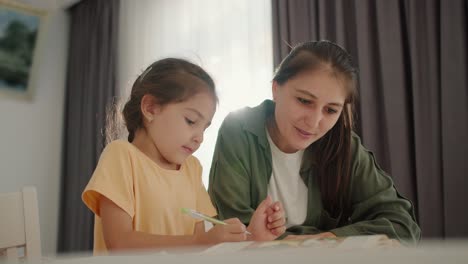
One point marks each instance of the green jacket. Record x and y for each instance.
(241, 170)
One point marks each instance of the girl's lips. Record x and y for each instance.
(188, 150)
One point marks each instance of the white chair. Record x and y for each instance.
(19, 226)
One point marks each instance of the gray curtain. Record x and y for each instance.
(90, 88)
(413, 94)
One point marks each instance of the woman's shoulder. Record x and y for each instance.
(362, 157)
(249, 117)
(355, 141)
(239, 116)
(357, 147)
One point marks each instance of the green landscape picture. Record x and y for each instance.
(18, 33)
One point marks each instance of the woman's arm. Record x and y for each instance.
(377, 207)
(230, 174)
(231, 181)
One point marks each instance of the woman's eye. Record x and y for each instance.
(303, 101)
(190, 122)
(331, 111)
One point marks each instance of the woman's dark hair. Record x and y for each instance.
(333, 150)
(169, 80)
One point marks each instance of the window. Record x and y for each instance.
(231, 40)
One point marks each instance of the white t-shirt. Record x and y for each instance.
(286, 184)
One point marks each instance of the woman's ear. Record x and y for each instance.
(274, 89)
(149, 107)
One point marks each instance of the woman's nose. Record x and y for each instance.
(313, 118)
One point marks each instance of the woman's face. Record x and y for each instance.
(307, 107)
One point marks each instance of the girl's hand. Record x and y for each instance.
(267, 222)
(234, 231)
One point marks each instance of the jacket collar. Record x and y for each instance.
(255, 121)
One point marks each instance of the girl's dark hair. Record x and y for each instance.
(169, 80)
(334, 148)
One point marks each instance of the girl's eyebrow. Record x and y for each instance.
(315, 97)
(195, 111)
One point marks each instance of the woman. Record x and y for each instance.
(301, 150)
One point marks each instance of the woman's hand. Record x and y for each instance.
(276, 219)
(234, 231)
(267, 222)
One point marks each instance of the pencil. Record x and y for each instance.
(199, 215)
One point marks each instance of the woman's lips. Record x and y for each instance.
(304, 134)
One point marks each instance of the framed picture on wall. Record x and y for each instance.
(20, 27)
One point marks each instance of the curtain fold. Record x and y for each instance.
(454, 114)
(91, 86)
(413, 92)
(427, 111)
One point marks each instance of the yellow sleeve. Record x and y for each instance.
(112, 178)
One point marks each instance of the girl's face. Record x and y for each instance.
(307, 107)
(176, 129)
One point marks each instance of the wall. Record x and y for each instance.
(31, 131)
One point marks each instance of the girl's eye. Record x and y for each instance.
(190, 122)
(331, 111)
(303, 101)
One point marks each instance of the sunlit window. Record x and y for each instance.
(230, 39)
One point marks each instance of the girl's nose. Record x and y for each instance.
(198, 138)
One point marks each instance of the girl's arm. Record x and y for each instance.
(119, 234)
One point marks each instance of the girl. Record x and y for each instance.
(140, 185)
(300, 149)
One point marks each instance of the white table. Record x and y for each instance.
(426, 253)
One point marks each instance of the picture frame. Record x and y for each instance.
(20, 41)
